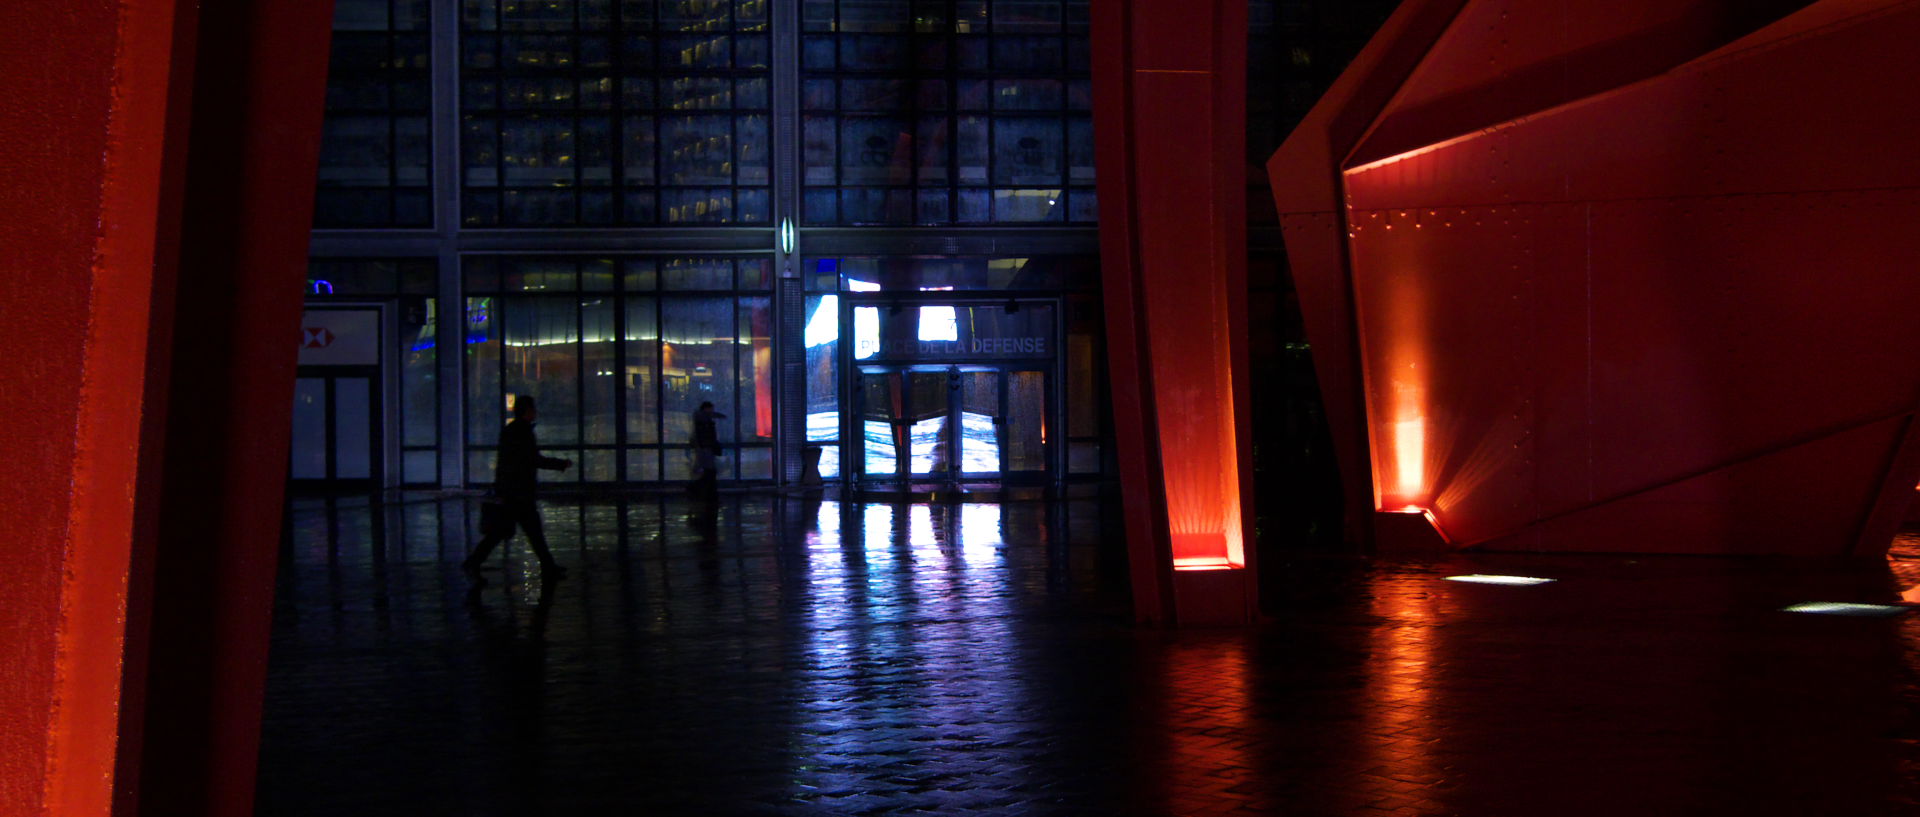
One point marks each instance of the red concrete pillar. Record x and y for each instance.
(1170, 114)
(150, 296)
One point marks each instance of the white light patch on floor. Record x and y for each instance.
(1841, 608)
(1518, 581)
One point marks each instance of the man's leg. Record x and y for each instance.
(480, 553)
(528, 516)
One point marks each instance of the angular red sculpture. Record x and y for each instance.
(1170, 87)
(1620, 279)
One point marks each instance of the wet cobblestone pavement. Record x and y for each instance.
(812, 658)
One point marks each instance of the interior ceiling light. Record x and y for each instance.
(1518, 581)
(1842, 608)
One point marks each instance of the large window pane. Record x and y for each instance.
(642, 380)
(542, 358)
(419, 395)
(600, 367)
(822, 340)
(484, 406)
(756, 420)
(697, 351)
(375, 152)
(1027, 151)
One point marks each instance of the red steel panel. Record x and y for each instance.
(1596, 305)
(1791, 502)
(1502, 59)
(1129, 384)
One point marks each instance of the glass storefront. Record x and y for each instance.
(402, 289)
(605, 210)
(953, 369)
(620, 352)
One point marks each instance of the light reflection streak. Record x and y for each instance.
(876, 534)
(1400, 681)
(891, 618)
(981, 537)
(866, 332)
(1207, 701)
(879, 446)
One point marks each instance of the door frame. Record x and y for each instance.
(376, 433)
(385, 392)
(853, 444)
(854, 457)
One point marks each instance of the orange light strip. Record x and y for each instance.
(1204, 563)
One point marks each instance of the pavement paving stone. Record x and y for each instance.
(784, 657)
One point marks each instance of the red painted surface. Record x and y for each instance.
(1170, 81)
(242, 238)
(1306, 188)
(1666, 315)
(81, 127)
(137, 586)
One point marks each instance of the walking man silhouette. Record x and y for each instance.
(513, 487)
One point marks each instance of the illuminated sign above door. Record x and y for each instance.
(950, 332)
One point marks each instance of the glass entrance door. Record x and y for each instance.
(336, 429)
(951, 423)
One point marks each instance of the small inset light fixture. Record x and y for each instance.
(1842, 608)
(1516, 581)
(788, 236)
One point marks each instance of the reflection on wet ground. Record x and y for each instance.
(789, 657)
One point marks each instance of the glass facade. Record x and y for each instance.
(408, 286)
(620, 351)
(994, 347)
(583, 112)
(376, 154)
(610, 174)
(945, 112)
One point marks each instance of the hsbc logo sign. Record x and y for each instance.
(340, 337)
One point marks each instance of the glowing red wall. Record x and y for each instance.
(1668, 312)
(1169, 81)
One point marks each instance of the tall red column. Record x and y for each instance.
(1170, 113)
(83, 127)
(245, 212)
(151, 291)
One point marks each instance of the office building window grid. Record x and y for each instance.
(567, 117)
(596, 112)
(376, 150)
(946, 113)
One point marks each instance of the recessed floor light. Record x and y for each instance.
(1480, 578)
(1842, 608)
